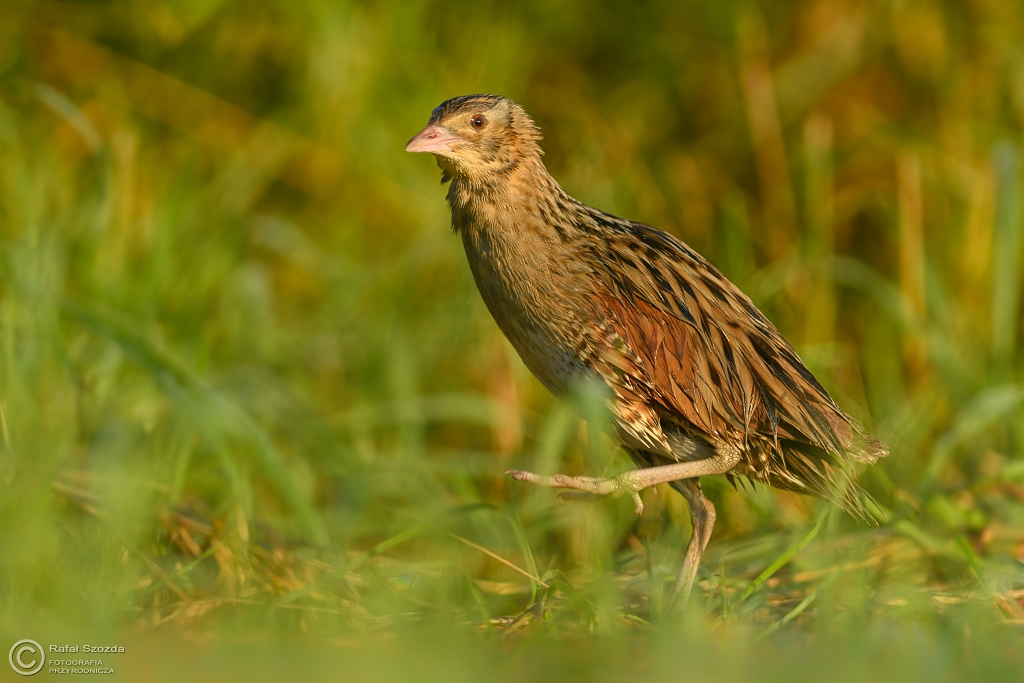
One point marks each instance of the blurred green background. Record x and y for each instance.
(250, 398)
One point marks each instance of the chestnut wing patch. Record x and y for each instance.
(708, 356)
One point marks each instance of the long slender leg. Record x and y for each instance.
(633, 481)
(702, 516)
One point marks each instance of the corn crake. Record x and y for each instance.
(701, 382)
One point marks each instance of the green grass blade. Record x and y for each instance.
(524, 546)
(1006, 270)
(786, 556)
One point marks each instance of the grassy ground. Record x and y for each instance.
(253, 415)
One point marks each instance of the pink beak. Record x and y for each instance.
(434, 138)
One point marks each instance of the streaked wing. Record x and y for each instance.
(700, 350)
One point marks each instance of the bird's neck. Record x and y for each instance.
(512, 200)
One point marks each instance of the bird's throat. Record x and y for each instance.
(502, 200)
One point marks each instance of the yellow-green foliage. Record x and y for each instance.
(248, 390)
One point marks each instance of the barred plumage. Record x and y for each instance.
(701, 382)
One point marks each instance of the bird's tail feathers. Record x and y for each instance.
(811, 470)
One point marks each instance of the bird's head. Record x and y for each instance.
(478, 137)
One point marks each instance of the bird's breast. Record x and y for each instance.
(518, 282)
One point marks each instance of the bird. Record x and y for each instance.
(698, 381)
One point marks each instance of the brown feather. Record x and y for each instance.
(711, 358)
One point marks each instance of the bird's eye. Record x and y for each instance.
(478, 121)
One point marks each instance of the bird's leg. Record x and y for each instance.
(634, 481)
(702, 516)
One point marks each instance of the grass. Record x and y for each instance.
(253, 414)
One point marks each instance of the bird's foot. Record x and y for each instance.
(593, 485)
